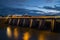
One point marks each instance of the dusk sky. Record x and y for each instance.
(29, 3)
(32, 4)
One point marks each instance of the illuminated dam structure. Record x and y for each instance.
(39, 22)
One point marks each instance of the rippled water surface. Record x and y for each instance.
(18, 33)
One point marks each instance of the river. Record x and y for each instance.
(20, 33)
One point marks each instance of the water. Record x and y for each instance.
(19, 33)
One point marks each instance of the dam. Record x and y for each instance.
(38, 22)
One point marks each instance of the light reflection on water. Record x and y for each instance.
(41, 37)
(26, 36)
(17, 33)
(9, 33)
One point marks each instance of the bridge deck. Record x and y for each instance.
(44, 17)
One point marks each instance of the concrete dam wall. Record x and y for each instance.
(51, 23)
(37, 23)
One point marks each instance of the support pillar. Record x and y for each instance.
(10, 21)
(52, 24)
(18, 21)
(31, 20)
(40, 23)
(23, 22)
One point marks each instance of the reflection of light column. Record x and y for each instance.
(26, 36)
(10, 21)
(18, 21)
(41, 37)
(16, 33)
(52, 24)
(40, 23)
(31, 20)
(9, 33)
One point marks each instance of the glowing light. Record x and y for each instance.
(16, 33)
(9, 33)
(26, 36)
(41, 37)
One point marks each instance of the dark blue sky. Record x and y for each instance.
(32, 4)
(29, 3)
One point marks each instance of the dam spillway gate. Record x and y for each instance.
(46, 22)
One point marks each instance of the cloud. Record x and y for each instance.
(39, 12)
(44, 10)
(52, 8)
